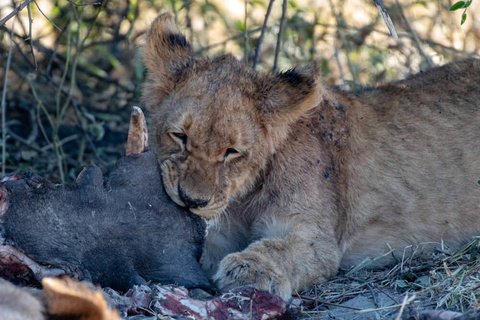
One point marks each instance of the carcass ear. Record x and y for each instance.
(289, 95)
(166, 53)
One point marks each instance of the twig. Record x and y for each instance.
(85, 4)
(316, 300)
(350, 292)
(132, 23)
(44, 150)
(366, 262)
(415, 36)
(61, 111)
(4, 104)
(117, 38)
(374, 297)
(54, 53)
(343, 27)
(340, 68)
(34, 133)
(19, 21)
(69, 98)
(174, 10)
(260, 39)
(346, 44)
(83, 128)
(245, 34)
(14, 12)
(78, 113)
(54, 125)
(40, 105)
(38, 7)
(23, 141)
(221, 43)
(74, 136)
(277, 48)
(338, 305)
(386, 17)
(386, 293)
(62, 80)
(30, 37)
(120, 37)
(404, 304)
(188, 19)
(369, 310)
(117, 24)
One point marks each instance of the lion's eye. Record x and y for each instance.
(231, 151)
(180, 136)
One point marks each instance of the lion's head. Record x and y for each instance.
(215, 122)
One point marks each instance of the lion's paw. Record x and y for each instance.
(251, 268)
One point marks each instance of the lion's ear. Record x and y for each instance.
(166, 53)
(290, 94)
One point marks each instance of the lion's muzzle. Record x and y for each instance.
(192, 202)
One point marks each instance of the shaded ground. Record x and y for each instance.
(413, 289)
(442, 279)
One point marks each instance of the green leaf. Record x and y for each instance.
(28, 155)
(259, 3)
(96, 131)
(464, 17)
(325, 68)
(108, 117)
(239, 25)
(402, 284)
(208, 7)
(423, 281)
(99, 72)
(422, 3)
(56, 11)
(131, 14)
(293, 4)
(458, 5)
(114, 61)
(468, 3)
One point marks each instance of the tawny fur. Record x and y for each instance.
(297, 178)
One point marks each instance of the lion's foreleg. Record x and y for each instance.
(283, 265)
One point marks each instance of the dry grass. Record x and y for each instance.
(438, 279)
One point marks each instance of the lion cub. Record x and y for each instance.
(298, 178)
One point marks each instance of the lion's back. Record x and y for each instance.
(417, 160)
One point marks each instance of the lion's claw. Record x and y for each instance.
(251, 268)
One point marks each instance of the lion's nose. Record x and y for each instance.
(191, 202)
